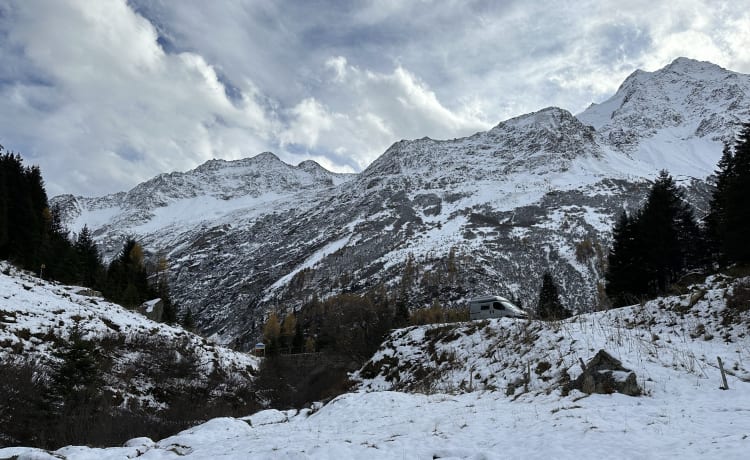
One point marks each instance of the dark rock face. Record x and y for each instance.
(604, 374)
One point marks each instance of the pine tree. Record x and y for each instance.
(90, 266)
(23, 203)
(716, 215)
(76, 379)
(127, 279)
(622, 274)
(651, 250)
(188, 322)
(667, 228)
(728, 221)
(549, 305)
(169, 311)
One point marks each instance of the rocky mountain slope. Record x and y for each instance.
(537, 192)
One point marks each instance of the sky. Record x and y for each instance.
(105, 94)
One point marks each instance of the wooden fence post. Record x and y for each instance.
(724, 386)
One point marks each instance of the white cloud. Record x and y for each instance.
(106, 94)
(369, 110)
(120, 109)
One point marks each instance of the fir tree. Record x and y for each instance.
(188, 322)
(651, 250)
(622, 274)
(127, 279)
(76, 379)
(728, 221)
(549, 305)
(90, 266)
(169, 311)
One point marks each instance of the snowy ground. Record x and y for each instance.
(689, 421)
(670, 343)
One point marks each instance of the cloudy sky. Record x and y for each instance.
(104, 94)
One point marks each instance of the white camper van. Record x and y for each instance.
(493, 306)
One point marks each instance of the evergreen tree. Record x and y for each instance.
(23, 204)
(728, 221)
(549, 305)
(653, 248)
(90, 266)
(169, 311)
(188, 322)
(127, 279)
(31, 234)
(76, 379)
(623, 276)
(715, 217)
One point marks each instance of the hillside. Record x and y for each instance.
(537, 192)
(473, 401)
(681, 334)
(145, 367)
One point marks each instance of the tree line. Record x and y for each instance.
(33, 237)
(656, 246)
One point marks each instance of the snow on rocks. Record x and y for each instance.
(36, 314)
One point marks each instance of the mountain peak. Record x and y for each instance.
(548, 117)
(266, 157)
(688, 65)
(311, 166)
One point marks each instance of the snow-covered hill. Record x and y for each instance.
(36, 315)
(537, 192)
(681, 334)
(492, 389)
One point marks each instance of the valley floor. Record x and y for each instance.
(671, 344)
(686, 418)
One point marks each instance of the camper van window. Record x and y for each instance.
(498, 306)
(485, 307)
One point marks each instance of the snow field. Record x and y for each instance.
(468, 411)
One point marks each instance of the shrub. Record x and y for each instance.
(739, 299)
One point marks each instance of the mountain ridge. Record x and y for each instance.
(528, 195)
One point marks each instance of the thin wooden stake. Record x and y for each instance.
(725, 386)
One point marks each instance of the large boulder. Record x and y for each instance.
(605, 375)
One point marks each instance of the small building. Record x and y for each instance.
(260, 349)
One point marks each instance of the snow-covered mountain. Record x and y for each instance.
(218, 191)
(494, 389)
(672, 118)
(537, 192)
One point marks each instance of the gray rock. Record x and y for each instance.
(604, 374)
